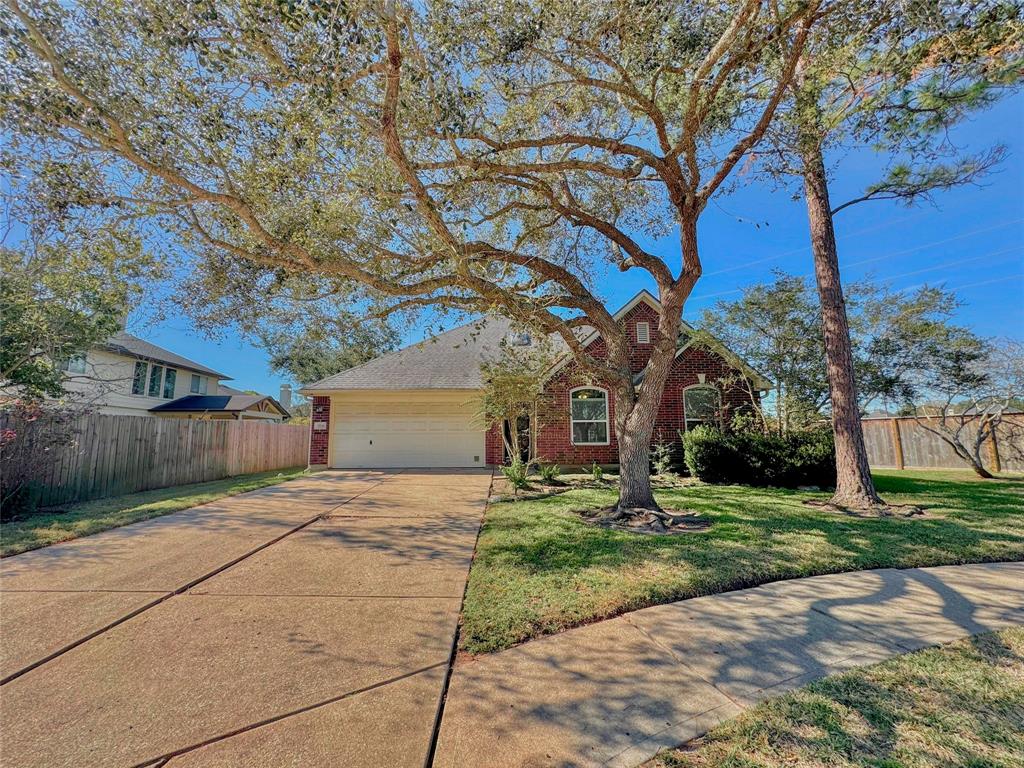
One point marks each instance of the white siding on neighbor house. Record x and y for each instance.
(410, 428)
(107, 384)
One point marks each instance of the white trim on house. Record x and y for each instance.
(606, 420)
(762, 384)
(643, 332)
(645, 297)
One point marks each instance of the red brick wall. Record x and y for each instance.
(553, 437)
(494, 451)
(319, 438)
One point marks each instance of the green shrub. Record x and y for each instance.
(597, 472)
(755, 458)
(517, 473)
(708, 455)
(549, 472)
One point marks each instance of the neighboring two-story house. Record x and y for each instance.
(127, 375)
(417, 407)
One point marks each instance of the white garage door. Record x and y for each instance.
(406, 430)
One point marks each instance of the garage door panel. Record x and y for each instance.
(439, 432)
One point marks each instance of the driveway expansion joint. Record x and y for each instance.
(249, 678)
(167, 757)
(178, 591)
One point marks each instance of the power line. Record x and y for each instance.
(805, 248)
(957, 261)
(899, 253)
(1017, 276)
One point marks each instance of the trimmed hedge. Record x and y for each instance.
(754, 458)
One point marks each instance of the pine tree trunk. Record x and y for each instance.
(854, 486)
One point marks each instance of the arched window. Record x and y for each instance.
(701, 405)
(588, 414)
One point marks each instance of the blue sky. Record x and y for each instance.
(971, 241)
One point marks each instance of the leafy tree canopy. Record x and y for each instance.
(307, 359)
(57, 301)
(776, 328)
(468, 154)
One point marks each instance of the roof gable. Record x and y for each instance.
(644, 297)
(126, 344)
(452, 360)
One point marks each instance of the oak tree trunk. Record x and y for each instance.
(854, 486)
(636, 412)
(634, 428)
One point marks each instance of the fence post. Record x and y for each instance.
(897, 442)
(993, 454)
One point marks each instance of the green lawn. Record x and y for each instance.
(956, 705)
(539, 569)
(90, 517)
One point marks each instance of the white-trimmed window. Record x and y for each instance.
(74, 364)
(170, 377)
(197, 386)
(588, 416)
(643, 333)
(702, 404)
(139, 379)
(152, 380)
(156, 376)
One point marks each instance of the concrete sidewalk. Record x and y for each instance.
(308, 624)
(616, 692)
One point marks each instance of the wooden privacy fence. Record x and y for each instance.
(111, 455)
(902, 443)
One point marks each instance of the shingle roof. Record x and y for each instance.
(232, 403)
(127, 344)
(450, 360)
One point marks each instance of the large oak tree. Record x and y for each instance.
(473, 156)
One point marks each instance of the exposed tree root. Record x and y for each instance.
(869, 510)
(646, 521)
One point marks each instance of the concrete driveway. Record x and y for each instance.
(308, 624)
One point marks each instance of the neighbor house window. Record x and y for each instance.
(643, 333)
(139, 379)
(701, 405)
(588, 411)
(156, 374)
(74, 364)
(193, 386)
(169, 379)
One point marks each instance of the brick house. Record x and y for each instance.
(417, 406)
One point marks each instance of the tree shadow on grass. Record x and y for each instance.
(557, 566)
